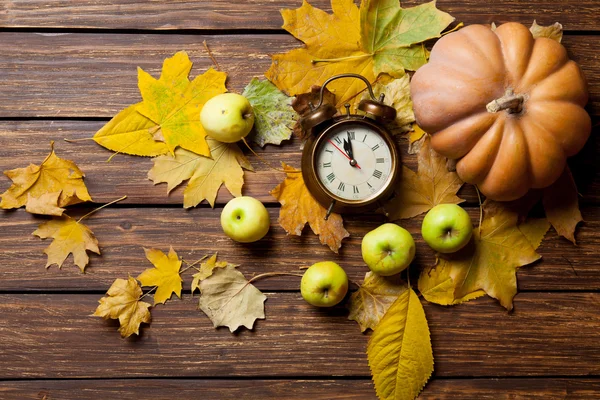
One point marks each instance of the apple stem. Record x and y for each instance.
(268, 274)
(261, 159)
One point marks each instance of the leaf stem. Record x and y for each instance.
(192, 265)
(268, 274)
(148, 292)
(261, 159)
(480, 209)
(77, 140)
(100, 208)
(210, 54)
(316, 60)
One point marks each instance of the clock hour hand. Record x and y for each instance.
(355, 164)
(348, 148)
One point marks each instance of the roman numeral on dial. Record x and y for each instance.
(355, 188)
(342, 186)
(338, 140)
(377, 174)
(331, 177)
(327, 165)
(380, 161)
(375, 147)
(352, 135)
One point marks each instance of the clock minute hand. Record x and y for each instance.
(344, 153)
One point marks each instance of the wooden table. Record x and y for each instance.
(66, 67)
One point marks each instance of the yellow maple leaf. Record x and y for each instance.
(298, 207)
(562, 205)
(380, 37)
(437, 286)
(397, 95)
(70, 237)
(53, 175)
(165, 275)
(399, 351)
(491, 260)
(206, 269)
(130, 132)
(123, 303)
(174, 103)
(206, 175)
(46, 204)
(418, 192)
(373, 298)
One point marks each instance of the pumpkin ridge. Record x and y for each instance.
(534, 62)
(475, 42)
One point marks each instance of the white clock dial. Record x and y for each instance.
(367, 175)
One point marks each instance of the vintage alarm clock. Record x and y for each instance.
(350, 162)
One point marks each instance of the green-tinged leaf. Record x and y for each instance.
(389, 32)
(123, 303)
(206, 175)
(274, 116)
(165, 274)
(399, 351)
(174, 103)
(373, 298)
(397, 95)
(228, 299)
(132, 133)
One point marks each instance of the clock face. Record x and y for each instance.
(353, 162)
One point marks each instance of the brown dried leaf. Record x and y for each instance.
(371, 301)
(206, 270)
(433, 184)
(46, 204)
(561, 205)
(554, 31)
(300, 105)
(299, 207)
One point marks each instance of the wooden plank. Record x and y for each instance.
(263, 14)
(54, 336)
(123, 232)
(94, 75)
(218, 389)
(24, 142)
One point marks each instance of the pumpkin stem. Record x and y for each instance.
(511, 102)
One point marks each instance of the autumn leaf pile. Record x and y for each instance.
(379, 40)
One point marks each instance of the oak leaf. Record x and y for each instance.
(228, 299)
(554, 31)
(562, 206)
(42, 182)
(380, 37)
(399, 351)
(433, 184)
(164, 275)
(206, 269)
(301, 104)
(298, 207)
(274, 116)
(70, 237)
(371, 301)
(130, 132)
(123, 303)
(206, 175)
(498, 249)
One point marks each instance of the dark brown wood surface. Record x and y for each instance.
(67, 66)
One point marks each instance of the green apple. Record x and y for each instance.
(227, 117)
(324, 284)
(447, 228)
(388, 249)
(245, 219)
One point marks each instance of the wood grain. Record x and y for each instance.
(276, 389)
(123, 232)
(94, 75)
(263, 14)
(24, 142)
(54, 336)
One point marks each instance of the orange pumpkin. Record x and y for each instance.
(507, 106)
